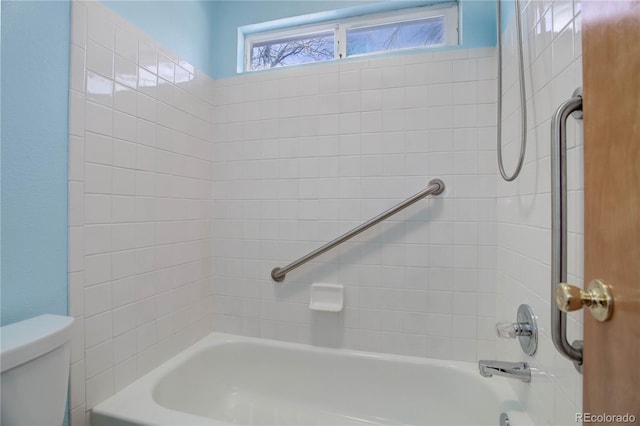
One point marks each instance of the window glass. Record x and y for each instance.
(395, 36)
(292, 51)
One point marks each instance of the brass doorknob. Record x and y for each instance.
(597, 298)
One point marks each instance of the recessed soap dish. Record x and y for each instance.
(327, 297)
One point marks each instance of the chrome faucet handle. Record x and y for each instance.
(511, 330)
(525, 329)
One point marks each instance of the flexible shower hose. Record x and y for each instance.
(523, 106)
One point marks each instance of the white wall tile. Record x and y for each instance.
(98, 119)
(124, 346)
(76, 151)
(76, 204)
(148, 57)
(79, 25)
(97, 179)
(125, 99)
(78, 416)
(99, 59)
(76, 385)
(77, 341)
(126, 72)
(97, 299)
(97, 268)
(76, 113)
(98, 329)
(98, 358)
(126, 44)
(98, 149)
(347, 168)
(77, 68)
(99, 388)
(99, 89)
(100, 29)
(76, 294)
(124, 373)
(112, 204)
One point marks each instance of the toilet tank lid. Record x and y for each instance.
(23, 341)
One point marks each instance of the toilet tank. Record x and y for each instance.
(34, 364)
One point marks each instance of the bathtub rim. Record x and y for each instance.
(135, 404)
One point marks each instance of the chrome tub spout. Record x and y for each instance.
(514, 370)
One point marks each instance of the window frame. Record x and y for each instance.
(449, 10)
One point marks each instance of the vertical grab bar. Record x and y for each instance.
(572, 106)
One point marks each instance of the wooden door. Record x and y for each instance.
(611, 79)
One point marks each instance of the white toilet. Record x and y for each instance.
(34, 362)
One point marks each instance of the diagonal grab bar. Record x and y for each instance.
(436, 187)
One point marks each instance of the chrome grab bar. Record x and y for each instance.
(573, 107)
(436, 186)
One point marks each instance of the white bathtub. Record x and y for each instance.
(225, 379)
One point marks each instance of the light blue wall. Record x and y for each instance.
(35, 92)
(182, 26)
(478, 21)
(477, 16)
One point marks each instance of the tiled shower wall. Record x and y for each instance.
(139, 205)
(298, 157)
(303, 155)
(552, 56)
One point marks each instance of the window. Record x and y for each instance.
(420, 27)
(395, 36)
(282, 51)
